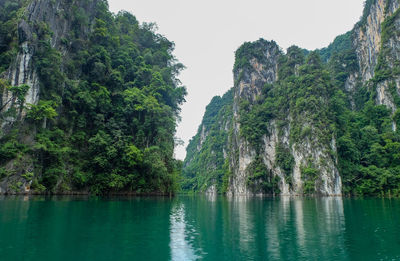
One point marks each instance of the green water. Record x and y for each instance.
(204, 228)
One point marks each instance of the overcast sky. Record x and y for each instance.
(207, 33)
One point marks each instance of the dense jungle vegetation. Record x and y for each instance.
(311, 91)
(209, 164)
(108, 108)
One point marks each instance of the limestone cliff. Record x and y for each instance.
(288, 108)
(250, 79)
(34, 16)
(88, 100)
(35, 19)
(208, 152)
(262, 71)
(376, 42)
(258, 67)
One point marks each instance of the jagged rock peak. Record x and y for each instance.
(298, 121)
(256, 63)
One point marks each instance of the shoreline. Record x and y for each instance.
(154, 194)
(77, 193)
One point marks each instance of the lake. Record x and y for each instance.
(198, 228)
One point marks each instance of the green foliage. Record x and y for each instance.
(205, 162)
(10, 12)
(368, 155)
(10, 147)
(47, 61)
(342, 64)
(285, 160)
(342, 43)
(15, 186)
(251, 50)
(377, 181)
(28, 176)
(225, 178)
(254, 122)
(387, 66)
(108, 108)
(19, 92)
(368, 148)
(9, 150)
(260, 179)
(310, 101)
(37, 187)
(396, 117)
(303, 91)
(44, 110)
(309, 175)
(4, 173)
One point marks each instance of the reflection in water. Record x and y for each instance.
(199, 228)
(276, 219)
(299, 214)
(245, 225)
(333, 224)
(212, 197)
(319, 226)
(279, 229)
(181, 235)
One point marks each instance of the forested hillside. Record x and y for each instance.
(321, 122)
(206, 153)
(89, 100)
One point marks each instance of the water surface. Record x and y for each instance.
(199, 228)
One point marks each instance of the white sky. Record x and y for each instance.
(207, 33)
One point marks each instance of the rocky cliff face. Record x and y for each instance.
(88, 100)
(263, 70)
(281, 140)
(367, 39)
(208, 152)
(277, 151)
(367, 36)
(34, 19)
(35, 15)
(249, 82)
(376, 42)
